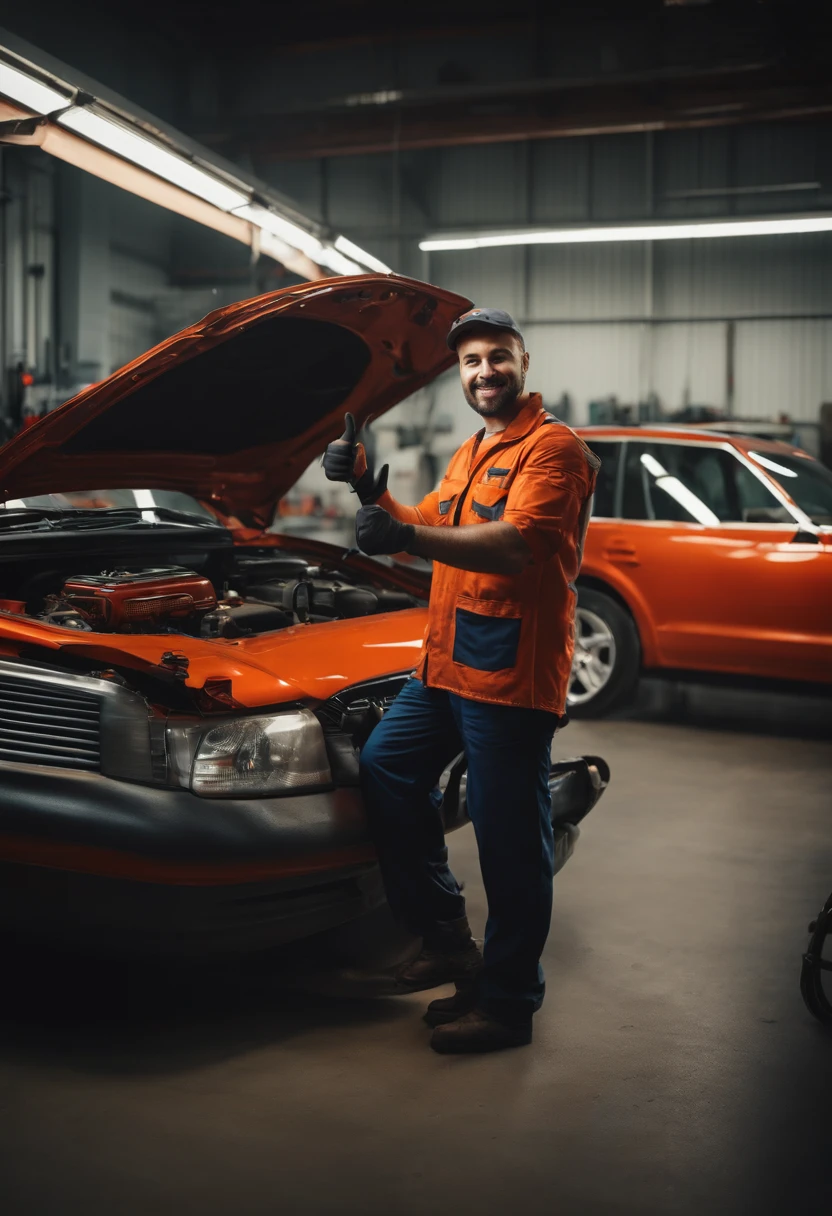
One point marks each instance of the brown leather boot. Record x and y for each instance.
(479, 1031)
(449, 1008)
(449, 954)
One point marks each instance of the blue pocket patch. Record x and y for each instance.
(486, 643)
(495, 512)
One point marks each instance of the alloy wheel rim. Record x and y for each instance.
(594, 659)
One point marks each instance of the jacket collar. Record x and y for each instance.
(523, 423)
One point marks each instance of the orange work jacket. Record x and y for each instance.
(509, 638)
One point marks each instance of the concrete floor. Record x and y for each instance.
(674, 1068)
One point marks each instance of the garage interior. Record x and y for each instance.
(675, 1067)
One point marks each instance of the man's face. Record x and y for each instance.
(492, 366)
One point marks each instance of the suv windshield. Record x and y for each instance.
(806, 481)
(104, 500)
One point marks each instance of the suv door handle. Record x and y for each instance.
(622, 553)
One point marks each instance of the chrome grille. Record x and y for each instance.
(47, 723)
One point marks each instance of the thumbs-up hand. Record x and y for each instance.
(339, 457)
(346, 460)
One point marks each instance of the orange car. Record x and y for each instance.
(184, 693)
(706, 553)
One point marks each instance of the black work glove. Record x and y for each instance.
(376, 531)
(345, 460)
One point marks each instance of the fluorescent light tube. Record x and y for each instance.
(119, 151)
(337, 262)
(89, 157)
(142, 151)
(30, 93)
(286, 231)
(359, 255)
(633, 232)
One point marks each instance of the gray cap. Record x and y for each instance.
(476, 318)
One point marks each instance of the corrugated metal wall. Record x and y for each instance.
(134, 323)
(83, 266)
(27, 268)
(600, 321)
(621, 319)
(139, 239)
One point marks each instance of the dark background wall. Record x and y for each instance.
(392, 126)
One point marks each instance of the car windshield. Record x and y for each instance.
(104, 500)
(806, 481)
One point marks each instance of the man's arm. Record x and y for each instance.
(426, 509)
(543, 506)
(497, 548)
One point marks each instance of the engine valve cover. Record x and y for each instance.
(120, 598)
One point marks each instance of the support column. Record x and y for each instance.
(730, 366)
(648, 333)
(84, 265)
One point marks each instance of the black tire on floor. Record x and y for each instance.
(621, 686)
(815, 965)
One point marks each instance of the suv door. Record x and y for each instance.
(731, 583)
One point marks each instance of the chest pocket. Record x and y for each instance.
(486, 502)
(450, 489)
(496, 475)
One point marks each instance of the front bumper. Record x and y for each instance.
(108, 863)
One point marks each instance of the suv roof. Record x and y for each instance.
(672, 431)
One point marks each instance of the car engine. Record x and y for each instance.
(268, 593)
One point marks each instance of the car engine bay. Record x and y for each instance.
(256, 592)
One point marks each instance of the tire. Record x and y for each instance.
(816, 996)
(604, 676)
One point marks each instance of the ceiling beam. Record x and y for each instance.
(755, 95)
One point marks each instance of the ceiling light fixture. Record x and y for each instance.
(359, 255)
(29, 92)
(632, 232)
(333, 257)
(100, 137)
(283, 229)
(118, 138)
(336, 261)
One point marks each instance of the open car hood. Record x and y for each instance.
(234, 408)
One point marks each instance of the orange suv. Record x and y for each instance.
(706, 553)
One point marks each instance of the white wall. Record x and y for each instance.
(784, 366)
(623, 320)
(600, 320)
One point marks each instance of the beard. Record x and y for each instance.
(509, 389)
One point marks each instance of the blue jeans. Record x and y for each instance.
(507, 749)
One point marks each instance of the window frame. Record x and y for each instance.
(801, 522)
(618, 485)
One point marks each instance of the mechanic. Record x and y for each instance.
(505, 531)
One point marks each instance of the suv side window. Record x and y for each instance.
(757, 503)
(634, 492)
(610, 456)
(694, 483)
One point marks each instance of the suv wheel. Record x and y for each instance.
(605, 667)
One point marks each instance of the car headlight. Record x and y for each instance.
(253, 757)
